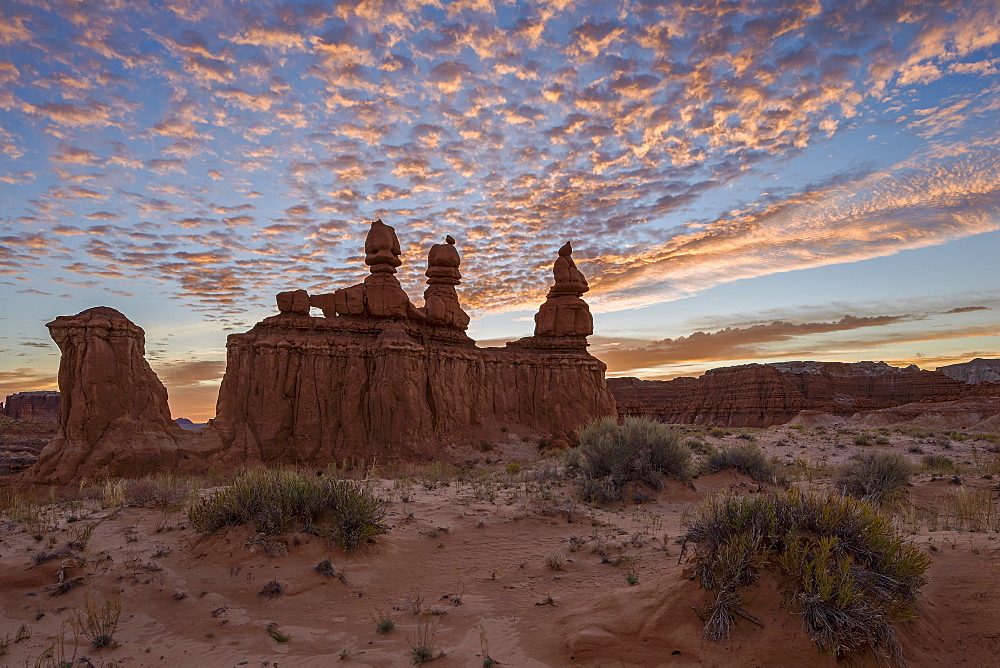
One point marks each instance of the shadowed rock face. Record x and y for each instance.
(379, 377)
(113, 417)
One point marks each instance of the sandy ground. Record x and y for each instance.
(506, 563)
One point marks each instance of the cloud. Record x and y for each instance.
(183, 373)
(26, 379)
(192, 386)
(967, 309)
(726, 344)
(513, 131)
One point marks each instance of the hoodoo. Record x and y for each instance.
(377, 376)
(374, 376)
(113, 415)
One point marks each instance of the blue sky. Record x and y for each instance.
(742, 181)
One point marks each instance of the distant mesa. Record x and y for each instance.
(374, 376)
(761, 395)
(37, 405)
(184, 423)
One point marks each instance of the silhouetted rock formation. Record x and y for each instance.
(564, 313)
(440, 299)
(377, 376)
(113, 417)
(760, 395)
(978, 370)
(38, 405)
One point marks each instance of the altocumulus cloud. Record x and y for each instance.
(240, 150)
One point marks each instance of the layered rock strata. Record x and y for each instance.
(113, 416)
(39, 405)
(760, 395)
(374, 377)
(377, 376)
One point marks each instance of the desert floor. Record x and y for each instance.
(497, 560)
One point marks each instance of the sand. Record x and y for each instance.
(512, 564)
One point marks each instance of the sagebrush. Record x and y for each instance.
(274, 501)
(748, 459)
(639, 450)
(873, 476)
(849, 573)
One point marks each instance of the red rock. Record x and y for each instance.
(440, 299)
(113, 419)
(564, 313)
(113, 415)
(380, 295)
(39, 405)
(760, 395)
(294, 301)
(373, 378)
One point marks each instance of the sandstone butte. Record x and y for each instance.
(761, 395)
(374, 376)
(39, 405)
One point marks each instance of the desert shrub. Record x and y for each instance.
(849, 574)
(271, 501)
(937, 464)
(556, 560)
(160, 490)
(611, 455)
(98, 624)
(699, 446)
(748, 459)
(873, 476)
(882, 440)
(863, 439)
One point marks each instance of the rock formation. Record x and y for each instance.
(374, 377)
(564, 313)
(380, 295)
(978, 370)
(113, 417)
(441, 304)
(760, 395)
(39, 405)
(377, 376)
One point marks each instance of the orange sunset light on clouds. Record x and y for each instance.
(742, 180)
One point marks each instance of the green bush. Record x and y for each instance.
(748, 459)
(271, 501)
(639, 450)
(873, 476)
(850, 575)
(938, 464)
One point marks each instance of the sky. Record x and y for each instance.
(743, 181)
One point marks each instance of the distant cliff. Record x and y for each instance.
(978, 370)
(39, 405)
(761, 395)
